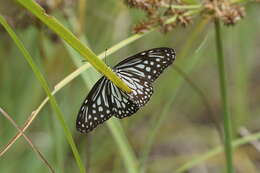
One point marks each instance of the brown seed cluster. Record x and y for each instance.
(229, 13)
(145, 26)
(158, 12)
(150, 6)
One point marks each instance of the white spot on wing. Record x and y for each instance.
(140, 66)
(99, 101)
(148, 69)
(100, 109)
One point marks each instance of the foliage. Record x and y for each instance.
(176, 131)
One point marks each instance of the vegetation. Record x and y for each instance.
(204, 109)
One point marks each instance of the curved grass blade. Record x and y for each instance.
(74, 42)
(114, 126)
(45, 86)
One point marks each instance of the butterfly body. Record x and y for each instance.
(106, 100)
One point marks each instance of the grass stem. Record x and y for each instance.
(224, 98)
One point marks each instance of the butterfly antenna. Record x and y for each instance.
(106, 56)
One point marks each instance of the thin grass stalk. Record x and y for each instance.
(114, 125)
(203, 98)
(217, 150)
(35, 149)
(46, 88)
(126, 149)
(197, 6)
(157, 122)
(224, 98)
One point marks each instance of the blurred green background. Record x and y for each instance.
(173, 128)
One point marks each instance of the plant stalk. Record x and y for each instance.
(224, 98)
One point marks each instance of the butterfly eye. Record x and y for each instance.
(106, 99)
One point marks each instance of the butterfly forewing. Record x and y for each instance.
(147, 65)
(138, 72)
(104, 100)
(96, 108)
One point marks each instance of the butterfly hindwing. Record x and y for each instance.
(142, 89)
(121, 103)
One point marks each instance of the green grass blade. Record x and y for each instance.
(126, 150)
(45, 86)
(73, 41)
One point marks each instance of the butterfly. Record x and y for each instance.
(106, 100)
